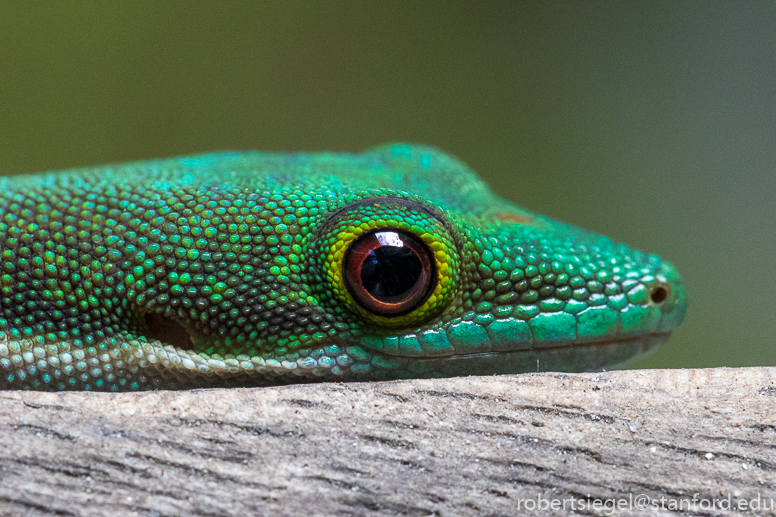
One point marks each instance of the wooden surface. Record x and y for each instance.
(464, 446)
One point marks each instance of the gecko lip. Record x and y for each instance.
(562, 358)
(654, 340)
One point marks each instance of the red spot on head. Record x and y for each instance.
(512, 218)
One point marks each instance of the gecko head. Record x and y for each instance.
(425, 273)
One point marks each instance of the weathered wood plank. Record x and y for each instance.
(463, 446)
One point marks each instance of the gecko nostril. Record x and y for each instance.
(168, 331)
(659, 293)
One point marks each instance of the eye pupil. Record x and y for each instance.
(389, 272)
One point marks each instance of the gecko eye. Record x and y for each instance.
(391, 261)
(389, 272)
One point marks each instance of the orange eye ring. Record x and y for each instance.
(389, 272)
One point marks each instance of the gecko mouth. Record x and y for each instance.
(561, 358)
(171, 333)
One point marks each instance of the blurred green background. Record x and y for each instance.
(651, 122)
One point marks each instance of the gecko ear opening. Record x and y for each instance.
(168, 331)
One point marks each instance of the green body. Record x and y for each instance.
(221, 270)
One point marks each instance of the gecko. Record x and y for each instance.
(257, 268)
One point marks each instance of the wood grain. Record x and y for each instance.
(461, 446)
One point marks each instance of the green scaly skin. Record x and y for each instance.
(225, 270)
